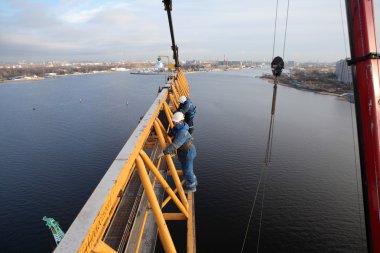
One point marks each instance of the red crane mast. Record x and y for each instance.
(365, 72)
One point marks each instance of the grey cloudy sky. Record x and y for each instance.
(138, 30)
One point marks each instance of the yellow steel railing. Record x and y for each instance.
(92, 241)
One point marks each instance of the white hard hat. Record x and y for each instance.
(177, 117)
(182, 99)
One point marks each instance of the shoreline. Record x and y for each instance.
(343, 95)
(26, 79)
(51, 77)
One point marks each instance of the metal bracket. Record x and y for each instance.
(165, 87)
(369, 56)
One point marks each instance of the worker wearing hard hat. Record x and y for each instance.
(183, 143)
(188, 109)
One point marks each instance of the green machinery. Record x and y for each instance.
(56, 230)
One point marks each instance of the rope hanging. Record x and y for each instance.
(360, 225)
(277, 66)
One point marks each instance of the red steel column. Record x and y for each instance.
(362, 32)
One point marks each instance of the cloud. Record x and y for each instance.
(138, 29)
(80, 16)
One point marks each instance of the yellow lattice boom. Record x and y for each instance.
(88, 233)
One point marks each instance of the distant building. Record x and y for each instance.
(119, 69)
(50, 74)
(291, 64)
(343, 72)
(159, 65)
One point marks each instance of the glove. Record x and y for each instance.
(160, 155)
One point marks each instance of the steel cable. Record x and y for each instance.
(270, 140)
(268, 153)
(252, 208)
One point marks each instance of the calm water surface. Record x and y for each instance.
(52, 158)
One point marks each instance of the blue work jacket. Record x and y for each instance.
(181, 135)
(187, 108)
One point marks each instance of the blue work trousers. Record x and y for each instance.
(186, 158)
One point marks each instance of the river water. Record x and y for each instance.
(59, 136)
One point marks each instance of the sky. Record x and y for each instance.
(135, 30)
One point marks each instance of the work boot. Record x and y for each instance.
(195, 183)
(190, 189)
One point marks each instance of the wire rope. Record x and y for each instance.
(353, 131)
(269, 144)
(261, 215)
(268, 153)
(286, 29)
(252, 208)
(275, 29)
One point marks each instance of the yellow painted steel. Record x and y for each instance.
(182, 83)
(163, 131)
(92, 242)
(169, 113)
(175, 92)
(173, 101)
(102, 247)
(179, 172)
(174, 216)
(141, 232)
(102, 221)
(171, 166)
(166, 239)
(161, 125)
(183, 80)
(163, 182)
(183, 87)
(191, 245)
(138, 243)
(168, 198)
(180, 89)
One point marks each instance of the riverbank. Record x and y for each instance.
(19, 79)
(39, 78)
(323, 83)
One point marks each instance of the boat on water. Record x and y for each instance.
(158, 69)
(151, 72)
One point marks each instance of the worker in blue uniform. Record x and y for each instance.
(182, 142)
(188, 109)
